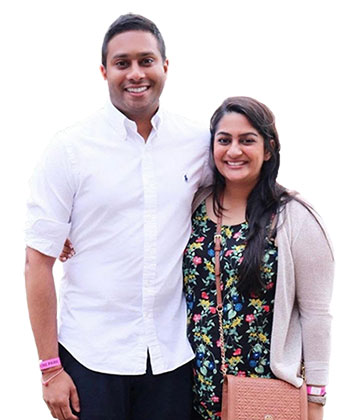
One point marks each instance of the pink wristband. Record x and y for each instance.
(317, 391)
(47, 364)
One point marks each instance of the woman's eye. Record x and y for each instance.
(223, 141)
(247, 141)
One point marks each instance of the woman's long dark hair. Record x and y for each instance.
(267, 197)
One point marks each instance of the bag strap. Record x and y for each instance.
(219, 303)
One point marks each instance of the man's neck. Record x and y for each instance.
(143, 122)
(144, 128)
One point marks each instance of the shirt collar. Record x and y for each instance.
(121, 123)
(157, 119)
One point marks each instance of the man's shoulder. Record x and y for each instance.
(91, 125)
(185, 125)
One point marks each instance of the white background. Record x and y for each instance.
(298, 57)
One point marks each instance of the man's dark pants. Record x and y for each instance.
(142, 397)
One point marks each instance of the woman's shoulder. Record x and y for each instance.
(201, 195)
(298, 217)
(298, 208)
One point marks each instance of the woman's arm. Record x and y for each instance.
(314, 272)
(67, 252)
(315, 411)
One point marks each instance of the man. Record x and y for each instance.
(120, 185)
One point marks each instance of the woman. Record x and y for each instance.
(276, 267)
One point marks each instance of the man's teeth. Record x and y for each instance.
(137, 90)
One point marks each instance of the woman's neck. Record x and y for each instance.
(235, 194)
(234, 204)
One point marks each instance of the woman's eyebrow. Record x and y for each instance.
(224, 133)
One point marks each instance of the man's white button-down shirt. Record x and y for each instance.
(126, 206)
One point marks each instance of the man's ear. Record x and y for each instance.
(103, 71)
(166, 66)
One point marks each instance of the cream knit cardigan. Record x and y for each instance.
(301, 323)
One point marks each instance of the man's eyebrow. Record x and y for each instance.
(142, 54)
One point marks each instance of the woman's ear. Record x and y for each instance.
(268, 153)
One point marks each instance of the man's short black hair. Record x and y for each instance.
(131, 22)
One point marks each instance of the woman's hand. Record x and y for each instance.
(67, 252)
(315, 411)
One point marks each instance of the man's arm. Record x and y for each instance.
(41, 297)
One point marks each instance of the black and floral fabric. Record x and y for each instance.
(247, 317)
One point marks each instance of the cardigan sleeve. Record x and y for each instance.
(314, 272)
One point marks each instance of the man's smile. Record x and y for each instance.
(138, 89)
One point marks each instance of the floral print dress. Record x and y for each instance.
(247, 319)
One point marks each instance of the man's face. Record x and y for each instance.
(136, 74)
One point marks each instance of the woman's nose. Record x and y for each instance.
(235, 149)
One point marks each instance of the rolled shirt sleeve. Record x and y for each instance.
(52, 191)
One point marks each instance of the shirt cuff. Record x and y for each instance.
(47, 236)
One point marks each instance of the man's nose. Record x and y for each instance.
(135, 72)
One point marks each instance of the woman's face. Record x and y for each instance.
(239, 150)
